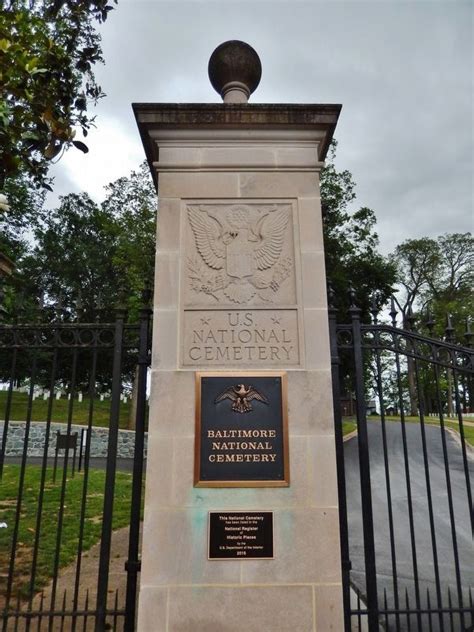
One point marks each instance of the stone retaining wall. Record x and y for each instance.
(99, 440)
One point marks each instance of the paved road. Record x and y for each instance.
(423, 540)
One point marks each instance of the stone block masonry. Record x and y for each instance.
(99, 440)
(240, 287)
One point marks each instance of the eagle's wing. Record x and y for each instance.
(270, 232)
(254, 394)
(208, 235)
(229, 393)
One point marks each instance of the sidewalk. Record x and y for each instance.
(88, 582)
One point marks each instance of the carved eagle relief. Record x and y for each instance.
(243, 244)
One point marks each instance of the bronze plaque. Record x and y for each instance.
(237, 535)
(241, 435)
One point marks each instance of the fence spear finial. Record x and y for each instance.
(59, 307)
(120, 307)
(468, 333)
(146, 295)
(352, 297)
(449, 329)
(331, 295)
(99, 305)
(393, 311)
(374, 310)
(410, 318)
(429, 322)
(20, 305)
(354, 309)
(79, 305)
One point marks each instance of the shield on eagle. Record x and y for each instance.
(240, 255)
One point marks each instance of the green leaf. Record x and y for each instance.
(81, 146)
(52, 150)
(31, 64)
(46, 75)
(30, 136)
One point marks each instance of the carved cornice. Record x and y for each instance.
(156, 118)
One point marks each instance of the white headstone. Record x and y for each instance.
(79, 397)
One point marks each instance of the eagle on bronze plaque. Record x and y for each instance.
(241, 435)
(241, 396)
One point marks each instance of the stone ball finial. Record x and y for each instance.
(234, 71)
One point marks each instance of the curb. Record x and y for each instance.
(349, 436)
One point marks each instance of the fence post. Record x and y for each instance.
(106, 538)
(364, 465)
(132, 565)
(341, 476)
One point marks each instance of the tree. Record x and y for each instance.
(435, 275)
(132, 203)
(47, 51)
(72, 258)
(24, 210)
(95, 253)
(451, 286)
(81, 258)
(351, 255)
(351, 243)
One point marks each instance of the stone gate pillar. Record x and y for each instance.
(240, 290)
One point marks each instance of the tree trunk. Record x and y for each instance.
(132, 416)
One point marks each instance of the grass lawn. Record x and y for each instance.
(468, 430)
(348, 427)
(80, 413)
(433, 421)
(48, 531)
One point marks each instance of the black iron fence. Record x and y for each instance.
(71, 474)
(65, 562)
(406, 513)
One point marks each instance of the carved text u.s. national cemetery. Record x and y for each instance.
(241, 256)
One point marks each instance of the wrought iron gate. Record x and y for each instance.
(58, 524)
(404, 479)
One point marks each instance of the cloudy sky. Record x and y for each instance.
(403, 71)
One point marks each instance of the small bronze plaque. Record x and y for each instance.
(240, 535)
(241, 430)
